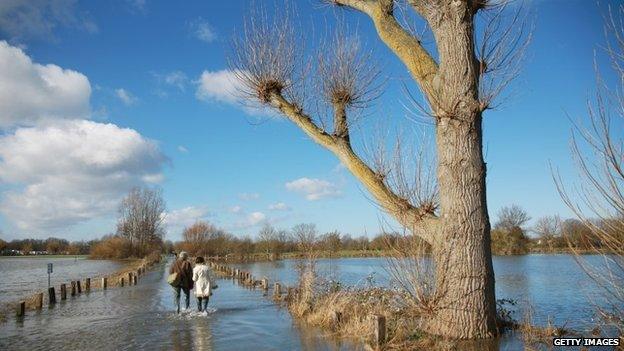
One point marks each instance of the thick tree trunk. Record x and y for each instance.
(466, 307)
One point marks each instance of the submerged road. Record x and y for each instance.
(142, 317)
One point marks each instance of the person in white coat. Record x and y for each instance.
(204, 283)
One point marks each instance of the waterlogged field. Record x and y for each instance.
(142, 317)
(22, 276)
(546, 286)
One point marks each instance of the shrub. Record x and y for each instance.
(113, 247)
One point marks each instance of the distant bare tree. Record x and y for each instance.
(304, 235)
(141, 219)
(598, 201)
(510, 217)
(548, 228)
(469, 68)
(272, 241)
(331, 241)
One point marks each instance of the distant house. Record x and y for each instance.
(11, 252)
(38, 252)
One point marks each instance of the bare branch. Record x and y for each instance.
(407, 47)
(347, 78)
(266, 57)
(500, 50)
(408, 215)
(598, 201)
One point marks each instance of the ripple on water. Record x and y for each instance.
(142, 317)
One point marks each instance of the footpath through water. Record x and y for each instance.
(142, 317)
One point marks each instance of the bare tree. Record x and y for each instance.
(548, 228)
(598, 201)
(510, 217)
(141, 219)
(304, 235)
(451, 217)
(272, 241)
(331, 241)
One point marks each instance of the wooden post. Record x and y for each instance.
(135, 279)
(88, 284)
(121, 282)
(63, 292)
(277, 290)
(79, 287)
(336, 318)
(137, 274)
(51, 296)
(39, 301)
(73, 288)
(21, 308)
(380, 329)
(129, 278)
(104, 283)
(265, 284)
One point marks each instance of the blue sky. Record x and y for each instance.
(144, 62)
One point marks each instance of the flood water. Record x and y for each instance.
(23, 276)
(142, 317)
(545, 286)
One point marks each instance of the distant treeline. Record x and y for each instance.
(550, 233)
(203, 238)
(50, 246)
(137, 236)
(510, 236)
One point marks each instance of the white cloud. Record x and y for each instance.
(182, 149)
(280, 206)
(177, 220)
(249, 196)
(313, 189)
(202, 30)
(236, 209)
(177, 79)
(251, 220)
(37, 19)
(125, 96)
(72, 171)
(224, 87)
(219, 86)
(31, 92)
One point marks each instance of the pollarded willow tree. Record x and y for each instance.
(459, 82)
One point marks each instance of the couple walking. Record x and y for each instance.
(183, 277)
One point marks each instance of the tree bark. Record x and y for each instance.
(466, 305)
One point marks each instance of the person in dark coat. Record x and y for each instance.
(184, 269)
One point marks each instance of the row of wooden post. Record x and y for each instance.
(76, 288)
(378, 320)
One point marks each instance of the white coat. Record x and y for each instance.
(204, 280)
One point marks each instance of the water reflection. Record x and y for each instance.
(552, 286)
(22, 276)
(143, 317)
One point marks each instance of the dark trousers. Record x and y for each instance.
(187, 293)
(205, 303)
